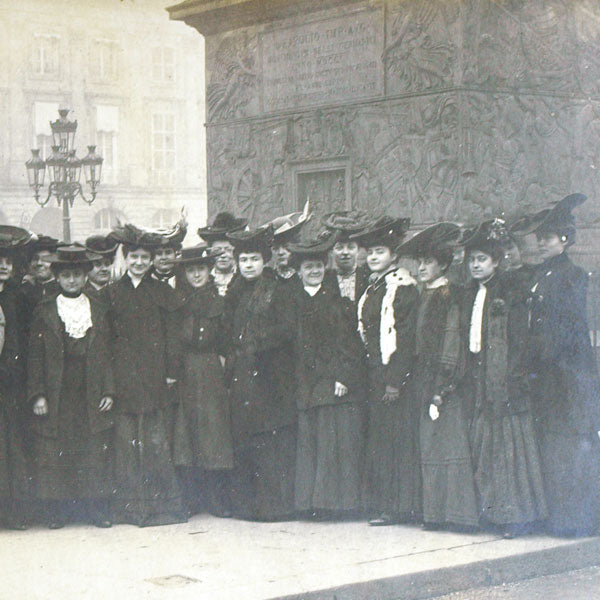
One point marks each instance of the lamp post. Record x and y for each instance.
(64, 170)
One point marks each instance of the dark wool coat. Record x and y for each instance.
(397, 372)
(504, 342)
(260, 368)
(504, 448)
(560, 343)
(14, 413)
(12, 355)
(448, 484)
(144, 344)
(203, 425)
(327, 347)
(361, 282)
(45, 366)
(566, 396)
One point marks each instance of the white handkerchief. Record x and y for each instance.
(434, 412)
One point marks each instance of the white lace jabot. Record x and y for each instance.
(75, 313)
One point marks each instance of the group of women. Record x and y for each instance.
(454, 393)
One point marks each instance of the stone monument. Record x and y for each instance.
(433, 109)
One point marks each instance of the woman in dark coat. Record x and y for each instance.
(202, 444)
(331, 378)
(262, 401)
(15, 463)
(145, 364)
(565, 382)
(386, 318)
(504, 449)
(70, 386)
(448, 486)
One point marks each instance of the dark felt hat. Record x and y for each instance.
(44, 242)
(558, 219)
(13, 238)
(72, 256)
(200, 254)
(384, 231)
(344, 223)
(223, 224)
(102, 245)
(441, 237)
(490, 237)
(252, 240)
(311, 248)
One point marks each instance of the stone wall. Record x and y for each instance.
(436, 109)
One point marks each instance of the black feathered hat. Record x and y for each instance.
(434, 240)
(490, 237)
(316, 249)
(252, 240)
(14, 238)
(200, 254)
(558, 219)
(223, 224)
(384, 231)
(102, 245)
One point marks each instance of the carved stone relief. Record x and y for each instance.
(421, 51)
(444, 154)
(232, 76)
(519, 44)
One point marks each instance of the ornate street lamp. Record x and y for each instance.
(64, 170)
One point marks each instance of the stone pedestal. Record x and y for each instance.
(437, 109)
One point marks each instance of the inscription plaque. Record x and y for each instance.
(337, 59)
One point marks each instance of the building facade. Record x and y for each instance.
(135, 84)
(437, 109)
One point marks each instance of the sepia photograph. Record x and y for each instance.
(299, 299)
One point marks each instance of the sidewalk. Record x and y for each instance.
(218, 559)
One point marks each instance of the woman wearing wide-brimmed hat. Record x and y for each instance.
(262, 393)
(104, 249)
(495, 388)
(347, 276)
(386, 321)
(224, 271)
(565, 382)
(143, 315)
(70, 387)
(15, 464)
(448, 487)
(331, 384)
(202, 441)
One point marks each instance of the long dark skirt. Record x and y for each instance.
(146, 488)
(570, 455)
(203, 423)
(448, 483)
(329, 460)
(76, 463)
(262, 482)
(508, 474)
(15, 462)
(392, 470)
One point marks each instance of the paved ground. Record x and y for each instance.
(583, 584)
(217, 559)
